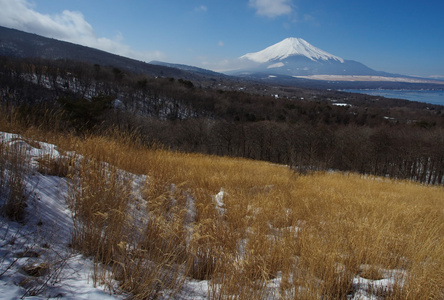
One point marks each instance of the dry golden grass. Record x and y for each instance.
(52, 165)
(315, 232)
(14, 168)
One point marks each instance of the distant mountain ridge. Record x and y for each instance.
(16, 43)
(186, 68)
(297, 57)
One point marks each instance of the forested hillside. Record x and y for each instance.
(305, 128)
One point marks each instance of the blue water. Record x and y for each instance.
(426, 96)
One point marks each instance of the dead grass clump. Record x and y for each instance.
(14, 168)
(157, 265)
(98, 196)
(229, 285)
(54, 165)
(371, 272)
(37, 270)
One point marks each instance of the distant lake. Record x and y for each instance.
(426, 96)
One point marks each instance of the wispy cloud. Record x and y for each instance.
(272, 8)
(440, 77)
(227, 65)
(69, 26)
(201, 8)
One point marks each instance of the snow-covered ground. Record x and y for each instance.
(36, 259)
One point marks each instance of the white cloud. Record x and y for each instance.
(272, 8)
(68, 26)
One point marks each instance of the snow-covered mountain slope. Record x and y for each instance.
(290, 47)
(297, 57)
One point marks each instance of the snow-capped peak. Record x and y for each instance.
(290, 47)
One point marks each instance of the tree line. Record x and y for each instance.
(304, 129)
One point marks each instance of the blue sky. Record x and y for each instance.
(405, 37)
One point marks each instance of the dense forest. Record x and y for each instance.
(306, 129)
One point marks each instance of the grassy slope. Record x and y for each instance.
(316, 233)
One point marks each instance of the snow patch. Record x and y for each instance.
(220, 205)
(276, 65)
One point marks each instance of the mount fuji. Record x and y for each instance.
(297, 57)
